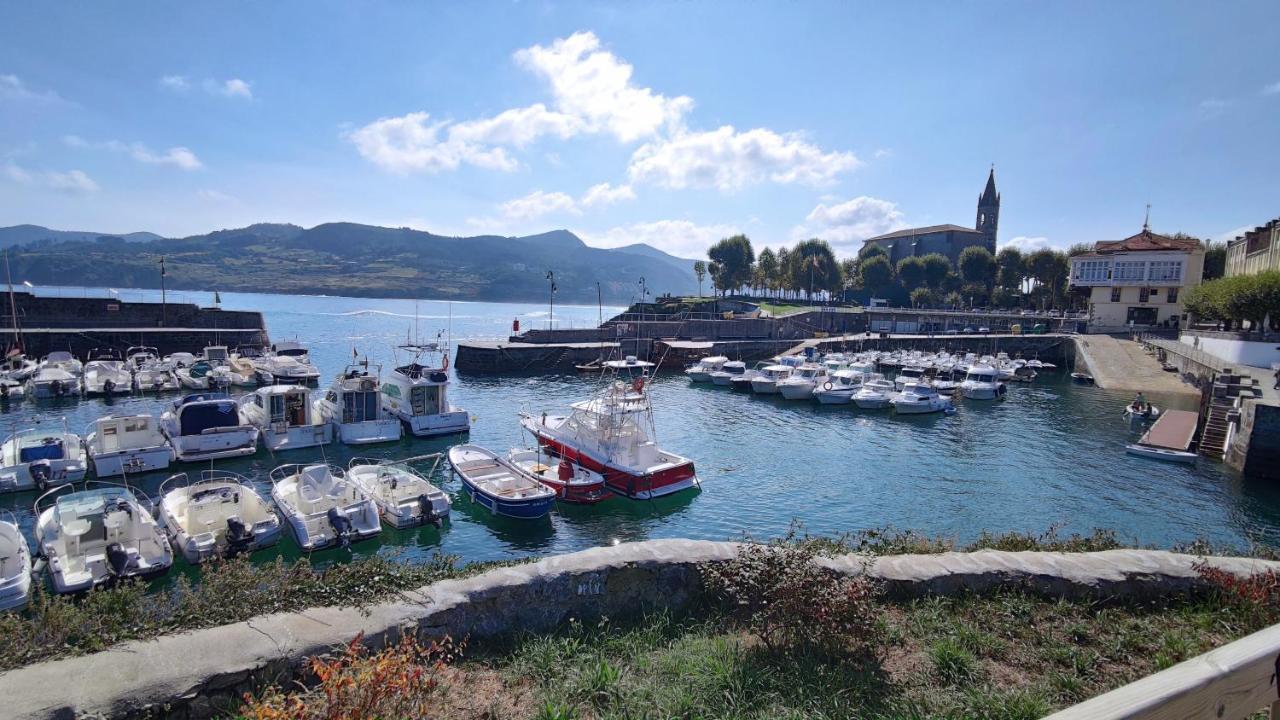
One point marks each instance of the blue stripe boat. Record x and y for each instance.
(494, 484)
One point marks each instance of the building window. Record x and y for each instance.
(1130, 270)
(1143, 294)
(1173, 294)
(1115, 294)
(1090, 270)
(1166, 270)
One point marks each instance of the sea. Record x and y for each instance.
(1050, 457)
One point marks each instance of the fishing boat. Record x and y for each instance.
(840, 388)
(496, 485)
(919, 398)
(206, 426)
(127, 444)
(766, 381)
(418, 392)
(572, 483)
(105, 373)
(404, 497)
(353, 404)
(288, 363)
(701, 371)
(322, 506)
(981, 383)
(15, 564)
(285, 417)
(219, 515)
(802, 382)
(727, 372)
(628, 367)
(52, 381)
(35, 459)
(612, 433)
(875, 394)
(98, 537)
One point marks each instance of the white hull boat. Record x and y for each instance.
(875, 394)
(126, 445)
(701, 371)
(36, 459)
(323, 507)
(727, 372)
(53, 382)
(15, 565)
(287, 363)
(918, 398)
(285, 418)
(11, 389)
(1158, 453)
(766, 383)
(496, 485)
(353, 405)
(404, 497)
(207, 426)
(418, 394)
(982, 382)
(99, 536)
(219, 515)
(107, 376)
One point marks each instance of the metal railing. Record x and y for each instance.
(1210, 362)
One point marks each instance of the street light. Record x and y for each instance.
(164, 298)
(551, 316)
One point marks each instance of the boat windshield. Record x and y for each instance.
(359, 406)
(427, 400)
(89, 503)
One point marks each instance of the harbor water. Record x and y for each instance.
(1050, 455)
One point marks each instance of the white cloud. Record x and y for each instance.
(1232, 234)
(850, 222)
(1272, 89)
(1214, 106)
(414, 143)
(539, 203)
(71, 181)
(74, 141)
(1026, 244)
(177, 83)
(13, 90)
(729, 160)
(179, 157)
(518, 127)
(678, 237)
(216, 196)
(606, 194)
(595, 85)
(882, 153)
(231, 88)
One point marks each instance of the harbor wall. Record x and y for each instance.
(203, 673)
(1254, 448)
(1236, 348)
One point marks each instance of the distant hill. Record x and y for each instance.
(349, 259)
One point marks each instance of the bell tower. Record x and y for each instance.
(989, 212)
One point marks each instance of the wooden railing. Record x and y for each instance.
(1230, 683)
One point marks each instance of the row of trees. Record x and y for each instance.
(1235, 300)
(810, 268)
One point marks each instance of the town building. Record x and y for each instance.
(1138, 282)
(948, 240)
(1255, 251)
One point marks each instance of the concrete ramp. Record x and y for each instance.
(1123, 365)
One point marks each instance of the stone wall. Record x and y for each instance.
(1255, 447)
(202, 673)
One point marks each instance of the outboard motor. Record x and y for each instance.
(425, 512)
(117, 562)
(108, 386)
(57, 389)
(239, 537)
(41, 472)
(341, 525)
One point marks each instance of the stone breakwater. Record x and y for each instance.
(202, 673)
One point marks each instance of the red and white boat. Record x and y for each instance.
(572, 483)
(612, 434)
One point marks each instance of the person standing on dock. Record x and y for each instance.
(1277, 385)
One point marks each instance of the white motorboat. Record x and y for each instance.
(18, 367)
(11, 389)
(353, 404)
(219, 515)
(127, 444)
(405, 498)
(743, 382)
(840, 388)
(418, 393)
(206, 426)
(65, 360)
(982, 382)
(727, 372)
(15, 564)
(802, 382)
(908, 374)
(613, 434)
(322, 506)
(106, 374)
(150, 372)
(875, 394)
(285, 417)
(52, 382)
(701, 371)
(178, 360)
(287, 363)
(766, 382)
(35, 459)
(201, 375)
(1152, 452)
(628, 367)
(918, 398)
(136, 358)
(99, 536)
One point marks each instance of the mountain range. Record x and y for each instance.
(349, 259)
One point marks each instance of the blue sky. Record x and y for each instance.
(668, 123)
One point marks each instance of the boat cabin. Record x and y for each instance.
(205, 411)
(128, 432)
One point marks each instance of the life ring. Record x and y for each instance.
(826, 385)
(637, 384)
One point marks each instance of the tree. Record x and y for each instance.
(1003, 297)
(1215, 260)
(700, 271)
(1049, 269)
(1011, 269)
(813, 266)
(922, 297)
(953, 300)
(978, 266)
(732, 257)
(869, 251)
(936, 269)
(767, 263)
(911, 272)
(876, 273)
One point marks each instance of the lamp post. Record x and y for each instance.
(599, 305)
(551, 315)
(164, 305)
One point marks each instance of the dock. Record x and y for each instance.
(1173, 430)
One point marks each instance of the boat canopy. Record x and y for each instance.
(194, 418)
(50, 448)
(416, 371)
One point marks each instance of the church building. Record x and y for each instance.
(948, 240)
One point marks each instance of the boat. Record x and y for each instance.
(285, 417)
(908, 374)
(628, 367)
(219, 515)
(353, 404)
(138, 357)
(1158, 453)
(743, 382)
(612, 433)
(1082, 378)
(727, 372)
(918, 398)
(52, 381)
(418, 392)
(287, 363)
(15, 564)
(981, 383)
(840, 388)
(572, 483)
(322, 506)
(876, 393)
(496, 485)
(150, 372)
(802, 382)
(18, 367)
(1133, 412)
(201, 375)
(97, 537)
(766, 382)
(65, 360)
(127, 444)
(1169, 439)
(106, 374)
(701, 371)
(405, 498)
(206, 426)
(11, 389)
(35, 459)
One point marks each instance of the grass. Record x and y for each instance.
(781, 308)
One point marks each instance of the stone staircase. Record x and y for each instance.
(1217, 424)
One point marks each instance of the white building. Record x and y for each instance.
(1138, 282)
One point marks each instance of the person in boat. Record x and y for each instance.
(1140, 405)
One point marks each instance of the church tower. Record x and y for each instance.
(989, 212)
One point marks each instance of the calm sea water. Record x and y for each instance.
(1052, 454)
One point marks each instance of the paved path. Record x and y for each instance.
(1122, 365)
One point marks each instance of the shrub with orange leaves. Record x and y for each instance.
(1257, 596)
(399, 681)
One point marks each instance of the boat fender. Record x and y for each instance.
(341, 525)
(117, 560)
(40, 471)
(826, 385)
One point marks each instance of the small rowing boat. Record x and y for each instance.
(495, 484)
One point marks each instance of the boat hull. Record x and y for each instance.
(1162, 454)
(834, 397)
(450, 423)
(370, 432)
(131, 461)
(236, 442)
(520, 510)
(636, 486)
(297, 438)
(795, 391)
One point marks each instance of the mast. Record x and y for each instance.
(13, 304)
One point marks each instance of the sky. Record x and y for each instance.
(674, 124)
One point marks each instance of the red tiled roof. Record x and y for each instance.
(1144, 241)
